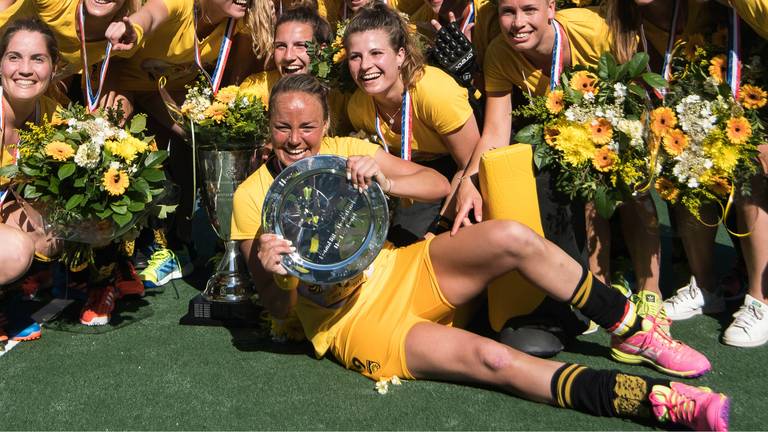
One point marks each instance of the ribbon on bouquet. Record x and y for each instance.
(406, 127)
(91, 96)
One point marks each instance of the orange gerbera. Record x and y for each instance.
(752, 97)
(59, 150)
(738, 130)
(584, 81)
(601, 129)
(605, 159)
(720, 186)
(216, 112)
(717, 68)
(555, 101)
(666, 189)
(675, 142)
(115, 181)
(663, 119)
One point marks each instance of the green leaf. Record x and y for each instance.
(141, 186)
(164, 210)
(603, 203)
(607, 67)
(119, 209)
(635, 89)
(155, 158)
(655, 80)
(104, 214)
(74, 201)
(138, 124)
(323, 69)
(637, 64)
(9, 171)
(53, 186)
(66, 170)
(32, 172)
(122, 219)
(79, 182)
(136, 206)
(152, 175)
(531, 134)
(31, 192)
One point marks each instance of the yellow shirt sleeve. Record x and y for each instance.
(754, 13)
(260, 85)
(18, 10)
(486, 27)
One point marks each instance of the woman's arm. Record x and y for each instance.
(263, 256)
(5, 4)
(149, 17)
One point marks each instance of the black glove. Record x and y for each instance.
(453, 53)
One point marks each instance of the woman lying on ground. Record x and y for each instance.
(396, 322)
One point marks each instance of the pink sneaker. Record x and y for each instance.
(654, 346)
(698, 408)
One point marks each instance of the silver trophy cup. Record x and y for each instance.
(223, 171)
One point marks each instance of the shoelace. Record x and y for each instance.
(665, 338)
(683, 295)
(747, 316)
(159, 256)
(681, 408)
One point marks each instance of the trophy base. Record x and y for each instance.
(204, 312)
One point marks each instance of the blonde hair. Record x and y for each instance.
(260, 22)
(624, 21)
(379, 16)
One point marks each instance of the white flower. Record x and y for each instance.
(589, 96)
(382, 387)
(619, 90)
(693, 183)
(395, 381)
(114, 165)
(87, 156)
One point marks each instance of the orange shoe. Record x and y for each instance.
(3, 335)
(99, 307)
(39, 277)
(127, 281)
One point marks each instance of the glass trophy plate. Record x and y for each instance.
(337, 230)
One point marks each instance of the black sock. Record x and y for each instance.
(605, 306)
(607, 393)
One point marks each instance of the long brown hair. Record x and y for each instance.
(624, 21)
(31, 25)
(379, 16)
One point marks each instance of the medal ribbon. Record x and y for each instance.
(557, 56)
(666, 68)
(469, 16)
(406, 127)
(91, 98)
(221, 60)
(734, 53)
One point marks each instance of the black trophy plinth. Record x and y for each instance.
(205, 312)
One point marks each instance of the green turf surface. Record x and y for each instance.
(149, 372)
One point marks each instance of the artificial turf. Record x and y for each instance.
(149, 372)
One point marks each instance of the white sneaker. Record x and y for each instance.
(750, 324)
(691, 300)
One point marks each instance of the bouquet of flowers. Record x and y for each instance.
(591, 130)
(328, 63)
(91, 180)
(234, 118)
(708, 137)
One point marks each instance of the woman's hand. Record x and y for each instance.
(272, 247)
(121, 35)
(468, 199)
(361, 170)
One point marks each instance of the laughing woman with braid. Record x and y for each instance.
(418, 112)
(395, 320)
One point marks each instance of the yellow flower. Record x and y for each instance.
(340, 56)
(717, 68)
(555, 101)
(338, 42)
(216, 112)
(56, 119)
(550, 134)
(601, 129)
(675, 142)
(738, 130)
(752, 97)
(126, 148)
(584, 81)
(115, 181)
(59, 151)
(724, 156)
(663, 119)
(227, 94)
(605, 159)
(575, 144)
(581, 3)
(719, 186)
(666, 189)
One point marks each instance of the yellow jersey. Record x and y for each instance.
(260, 84)
(505, 68)
(700, 20)
(320, 323)
(20, 9)
(439, 107)
(169, 51)
(754, 13)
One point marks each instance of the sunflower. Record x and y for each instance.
(340, 56)
(717, 68)
(584, 81)
(550, 134)
(752, 97)
(675, 142)
(575, 144)
(663, 119)
(601, 129)
(604, 160)
(216, 112)
(227, 94)
(115, 181)
(555, 101)
(59, 150)
(738, 130)
(666, 189)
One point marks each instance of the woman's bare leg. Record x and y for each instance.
(640, 227)
(598, 243)
(698, 242)
(16, 254)
(753, 218)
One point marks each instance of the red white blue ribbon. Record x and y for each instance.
(91, 97)
(221, 60)
(469, 16)
(734, 53)
(558, 55)
(406, 127)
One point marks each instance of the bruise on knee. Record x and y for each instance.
(495, 356)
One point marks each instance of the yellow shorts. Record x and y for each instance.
(372, 341)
